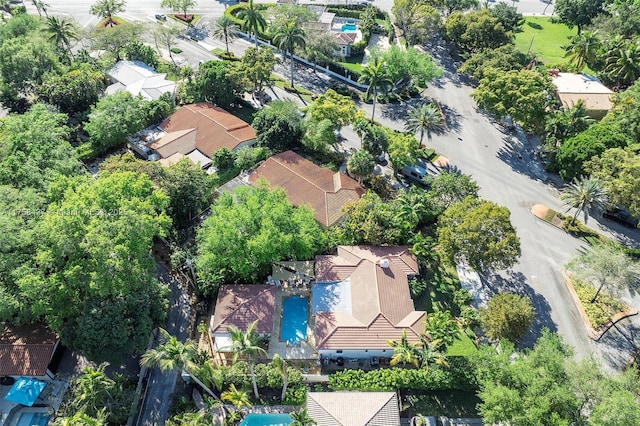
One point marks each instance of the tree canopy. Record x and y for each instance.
(524, 95)
(339, 109)
(278, 126)
(480, 233)
(475, 31)
(248, 230)
(408, 65)
(93, 279)
(507, 316)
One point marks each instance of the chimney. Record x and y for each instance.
(384, 263)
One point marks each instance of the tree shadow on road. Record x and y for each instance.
(618, 344)
(516, 282)
(520, 158)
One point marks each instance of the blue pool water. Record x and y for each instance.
(33, 419)
(348, 28)
(266, 420)
(295, 311)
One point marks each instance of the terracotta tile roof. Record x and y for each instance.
(241, 304)
(306, 183)
(354, 408)
(216, 128)
(381, 303)
(345, 39)
(26, 350)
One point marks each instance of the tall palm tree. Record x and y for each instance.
(412, 206)
(41, 6)
(425, 119)
(172, 354)
(61, 32)
(245, 345)
(92, 389)
(404, 352)
(623, 64)
(375, 75)
(302, 418)
(288, 37)
(586, 195)
(252, 19)
(239, 398)
(584, 49)
(225, 29)
(442, 329)
(107, 9)
(283, 368)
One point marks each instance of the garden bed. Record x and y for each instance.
(600, 315)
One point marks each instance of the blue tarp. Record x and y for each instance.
(25, 391)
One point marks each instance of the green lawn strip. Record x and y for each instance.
(353, 63)
(302, 92)
(548, 39)
(463, 346)
(245, 113)
(441, 403)
(600, 311)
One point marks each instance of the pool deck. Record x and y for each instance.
(51, 396)
(304, 349)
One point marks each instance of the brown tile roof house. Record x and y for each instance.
(204, 127)
(26, 350)
(240, 305)
(572, 88)
(380, 307)
(354, 408)
(306, 183)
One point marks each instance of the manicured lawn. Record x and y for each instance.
(353, 63)
(442, 284)
(244, 112)
(463, 346)
(548, 39)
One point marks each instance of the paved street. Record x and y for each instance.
(161, 385)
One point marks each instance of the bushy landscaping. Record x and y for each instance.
(602, 309)
(459, 375)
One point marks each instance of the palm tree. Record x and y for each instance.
(288, 37)
(411, 206)
(283, 368)
(623, 64)
(441, 329)
(225, 29)
(404, 352)
(61, 31)
(172, 354)
(586, 195)
(430, 353)
(361, 163)
(426, 118)
(107, 9)
(41, 6)
(239, 398)
(375, 75)
(252, 19)
(583, 50)
(92, 389)
(245, 344)
(302, 418)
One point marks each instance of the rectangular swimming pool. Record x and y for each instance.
(259, 419)
(33, 419)
(293, 327)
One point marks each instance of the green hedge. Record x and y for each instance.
(354, 10)
(267, 377)
(459, 375)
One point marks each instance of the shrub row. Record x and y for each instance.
(354, 10)
(267, 376)
(459, 375)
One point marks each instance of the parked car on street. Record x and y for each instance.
(161, 17)
(620, 215)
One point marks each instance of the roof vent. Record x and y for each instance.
(384, 263)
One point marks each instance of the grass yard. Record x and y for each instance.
(353, 63)
(462, 346)
(244, 112)
(548, 39)
(442, 284)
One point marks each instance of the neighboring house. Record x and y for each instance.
(305, 183)
(571, 88)
(27, 350)
(138, 78)
(197, 131)
(361, 300)
(240, 305)
(354, 408)
(344, 30)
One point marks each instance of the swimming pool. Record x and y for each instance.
(348, 28)
(293, 328)
(37, 418)
(258, 419)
